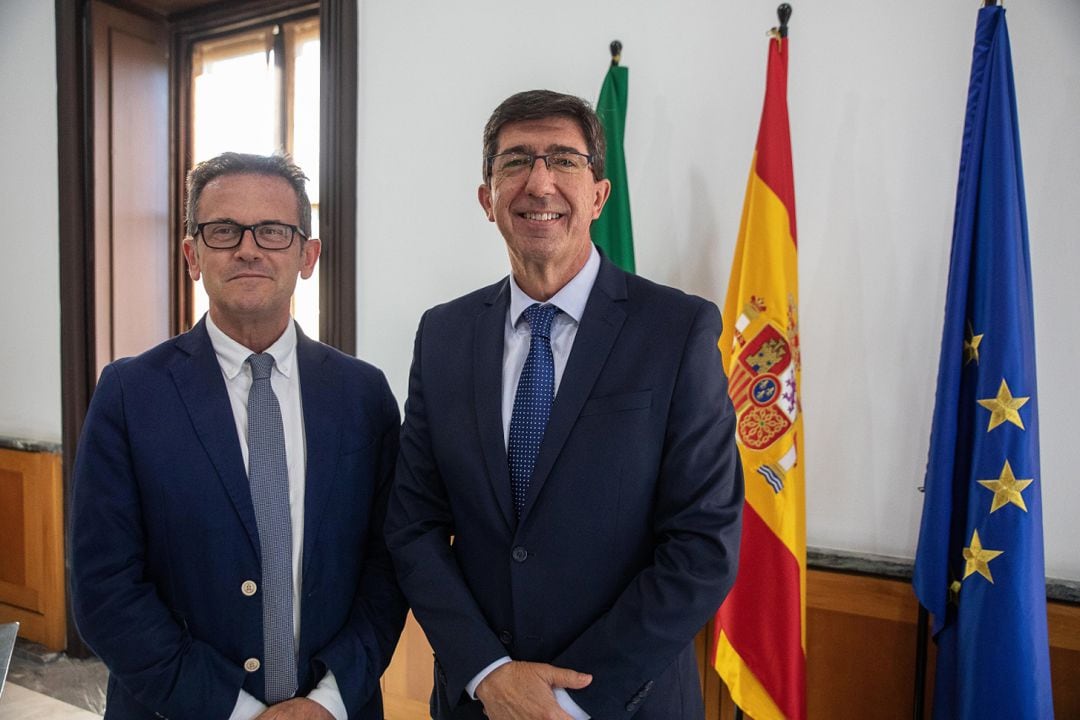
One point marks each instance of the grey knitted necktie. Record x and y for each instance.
(268, 475)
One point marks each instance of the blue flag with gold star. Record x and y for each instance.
(979, 568)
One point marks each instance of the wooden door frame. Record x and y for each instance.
(76, 191)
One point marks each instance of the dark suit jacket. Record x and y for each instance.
(163, 533)
(629, 538)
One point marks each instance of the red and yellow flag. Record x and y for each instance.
(760, 630)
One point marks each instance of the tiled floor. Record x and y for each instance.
(43, 685)
(18, 703)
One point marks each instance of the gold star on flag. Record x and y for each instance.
(1007, 489)
(971, 345)
(978, 559)
(1004, 407)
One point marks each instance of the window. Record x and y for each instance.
(257, 91)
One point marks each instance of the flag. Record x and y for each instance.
(760, 637)
(979, 567)
(612, 232)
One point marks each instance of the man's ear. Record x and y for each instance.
(603, 192)
(191, 254)
(309, 252)
(483, 194)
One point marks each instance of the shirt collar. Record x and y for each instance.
(571, 298)
(232, 356)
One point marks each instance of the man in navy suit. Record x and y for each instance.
(569, 580)
(169, 550)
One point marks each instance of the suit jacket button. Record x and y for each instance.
(519, 554)
(252, 664)
(249, 588)
(505, 637)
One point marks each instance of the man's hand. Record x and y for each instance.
(523, 691)
(296, 709)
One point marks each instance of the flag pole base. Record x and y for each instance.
(920, 662)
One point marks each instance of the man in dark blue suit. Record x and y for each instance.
(566, 509)
(231, 486)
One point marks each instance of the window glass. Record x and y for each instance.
(243, 102)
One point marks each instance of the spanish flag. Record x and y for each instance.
(760, 630)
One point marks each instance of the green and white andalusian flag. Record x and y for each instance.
(612, 232)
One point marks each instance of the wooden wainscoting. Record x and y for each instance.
(406, 684)
(32, 546)
(861, 636)
(1064, 626)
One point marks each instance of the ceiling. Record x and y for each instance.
(171, 7)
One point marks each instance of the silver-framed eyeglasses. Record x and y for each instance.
(514, 163)
(225, 235)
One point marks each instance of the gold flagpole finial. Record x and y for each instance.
(616, 52)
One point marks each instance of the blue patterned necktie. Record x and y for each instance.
(268, 475)
(532, 403)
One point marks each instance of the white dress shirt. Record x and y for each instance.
(517, 337)
(285, 381)
(571, 300)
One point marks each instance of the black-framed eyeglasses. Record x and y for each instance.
(225, 235)
(513, 164)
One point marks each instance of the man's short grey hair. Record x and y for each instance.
(232, 163)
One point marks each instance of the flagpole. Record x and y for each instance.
(922, 627)
(763, 662)
(613, 231)
(783, 13)
(987, 617)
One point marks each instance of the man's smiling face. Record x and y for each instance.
(544, 215)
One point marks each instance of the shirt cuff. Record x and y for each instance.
(327, 694)
(479, 678)
(568, 705)
(247, 707)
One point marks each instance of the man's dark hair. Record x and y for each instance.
(539, 105)
(232, 163)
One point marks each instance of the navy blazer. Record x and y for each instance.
(628, 541)
(163, 533)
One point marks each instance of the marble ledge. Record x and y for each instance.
(1067, 591)
(12, 443)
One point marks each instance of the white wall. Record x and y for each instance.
(29, 240)
(877, 100)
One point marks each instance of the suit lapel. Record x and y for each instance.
(600, 325)
(201, 386)
(487, 374)
(320, 395)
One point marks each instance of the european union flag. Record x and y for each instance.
(979, 568)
